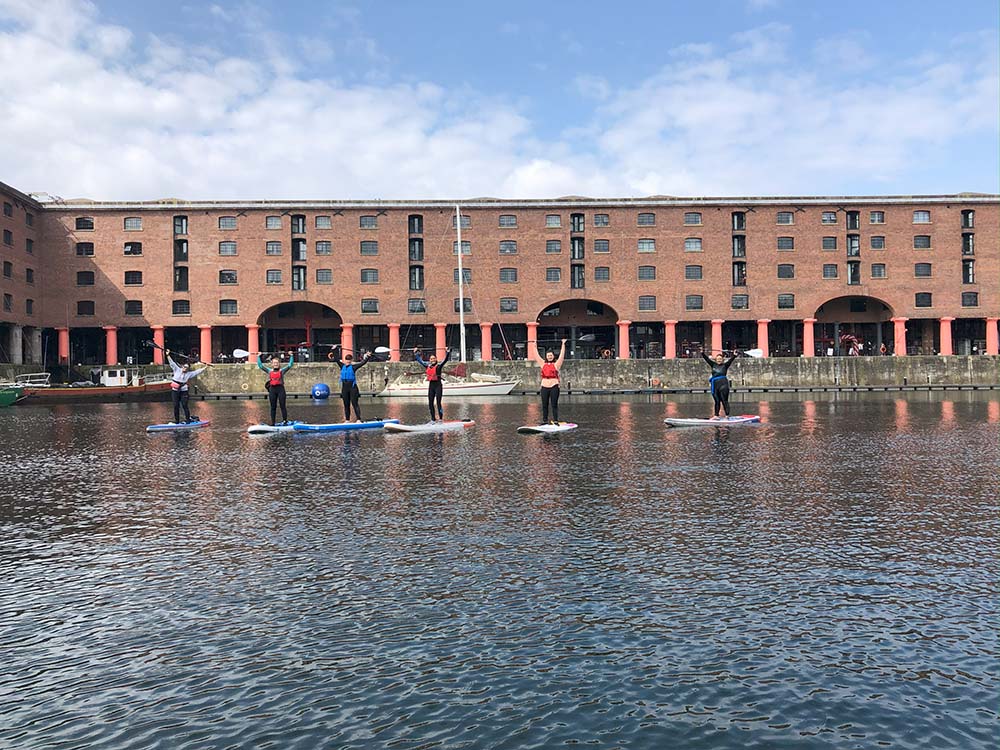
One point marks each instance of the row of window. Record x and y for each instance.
(8, 211)
(415, 222)
(8, 240)
(8, 272)
(8, 305)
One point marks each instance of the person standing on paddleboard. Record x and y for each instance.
(719, 382)
(550, 384)
(275, 384)
(349, 392)
(435, 388)
(179, 386)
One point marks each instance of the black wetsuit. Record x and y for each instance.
(275, 385)
(719, 382)
(435, 388)
(349, 392)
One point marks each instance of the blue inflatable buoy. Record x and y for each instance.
(321, 391)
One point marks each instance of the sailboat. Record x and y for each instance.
(481, 385)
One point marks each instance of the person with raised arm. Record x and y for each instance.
(349, 392)
(550, 384)
(719, 381)
(275, 384)
(435, 387)
(179, 379)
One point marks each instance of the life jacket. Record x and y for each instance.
(347, 374)
(549, 371)
(275, 378)
(433, 373)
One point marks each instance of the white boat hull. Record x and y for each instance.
(419, 390)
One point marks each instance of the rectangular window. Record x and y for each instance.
(739, 246)
(786, 301)
(647, 303)
(29, 307)
(273, 276)
(830, 271)
(466, 247)
(466, 221)
(739, 221)
(853, 245)
(369, 275)
(602, 246)
(576, 222)
(602, 220)
(553, 221)
(508, 247)
(692, 273)
(508, 275)
(180, 225)
(272, 248)
(83, 307)
(646, 220)
(648, 273)
(923, 299)
(133, 224)
(854, 220)
(853, 272)
(970, 299)
(133, 248)
(921, 217)
(922, 270)
(740, 273)
(828, 217)
(647, 246)
(508, 221)
(416, 249)
(968, 271)
(466, 276)
(298, 224)
(508, 304)
(324, 222)
(415, 224)
(8, 272)
(83, 278)
(298, 249)
(576, 248)
(968, 219)
(180, 279)
(133, 278)
(602, 273)
(369, 247)
(324, 275)
(369, 306)
(787, 217)
(740, 302)
(227, 248)
(29, 275)
(877, 243)
(180, 251)
(786, 243)
(8, 237)
(878, 270)
(29, 219)
(181, 307)
(416, 306)
(29, 245)
(324, 247)
(8, 209)
(466, 304)
(416, 278)
(84, 224)
(85, 249)
(553, 246)
(692, 245)
(553, 274)
(968, 244)
(786, 271)
(228, 307)
(227, 277)
(272, 222)
(694, 302)
(829, 243)
(858, 305)
(369, 222)
(298, 277)
(922, 242)
(692, 219)
(8, 305)
(876, 217)
(227, 222)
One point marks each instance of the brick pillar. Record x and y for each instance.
(623, 352)
(253, 341)
(808, 337)
(717, 335)
(205, 346)
(533, 343)
(160, 341)
(64, 345)
(669, 339)
(762, 336)
(110, 345)
(946, 349)
(992, 338)
(899, 336)
(486, 336)
(394, 342)
(346, 339)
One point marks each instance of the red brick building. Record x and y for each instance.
(88, 281)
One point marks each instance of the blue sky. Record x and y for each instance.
(517, 99)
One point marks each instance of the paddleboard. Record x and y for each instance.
(373, 424)
(178, 426)
(713, 422)
(266, 429)
(542, 429)
(446, 426)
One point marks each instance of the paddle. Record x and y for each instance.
(584, 339)
(240, 353)
(176, 354)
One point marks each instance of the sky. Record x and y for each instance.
(310, 99)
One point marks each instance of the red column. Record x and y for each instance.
(160, 342)
(669, 339)
(808, 337)
(394, 342)
(533, 343)
(347, 339)
(205, 348)
(623, 325)
(899, 336)
(762, 336)
(486, 336)
(992, 339)
(946, 349)
(110, 345)
(64, 345)
(440, 341)
(253, 341)
(717, 335)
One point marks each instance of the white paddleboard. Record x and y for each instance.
(446, 426)
(372, 424)
(713, 421)
(170, 426)
(267, 429)
(543, 429)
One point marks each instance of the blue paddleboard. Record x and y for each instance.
(374, 424)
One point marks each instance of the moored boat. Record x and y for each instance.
(115, 384)
(10, 394)
(419, 390)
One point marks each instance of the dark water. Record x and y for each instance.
(827, 579)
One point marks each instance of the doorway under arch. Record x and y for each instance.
(853, 324)
(574, 319)
(290, 327)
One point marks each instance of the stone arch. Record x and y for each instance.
(590, 325)
(853, 324)
(289, 326)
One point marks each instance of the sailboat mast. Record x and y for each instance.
(461, 287)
